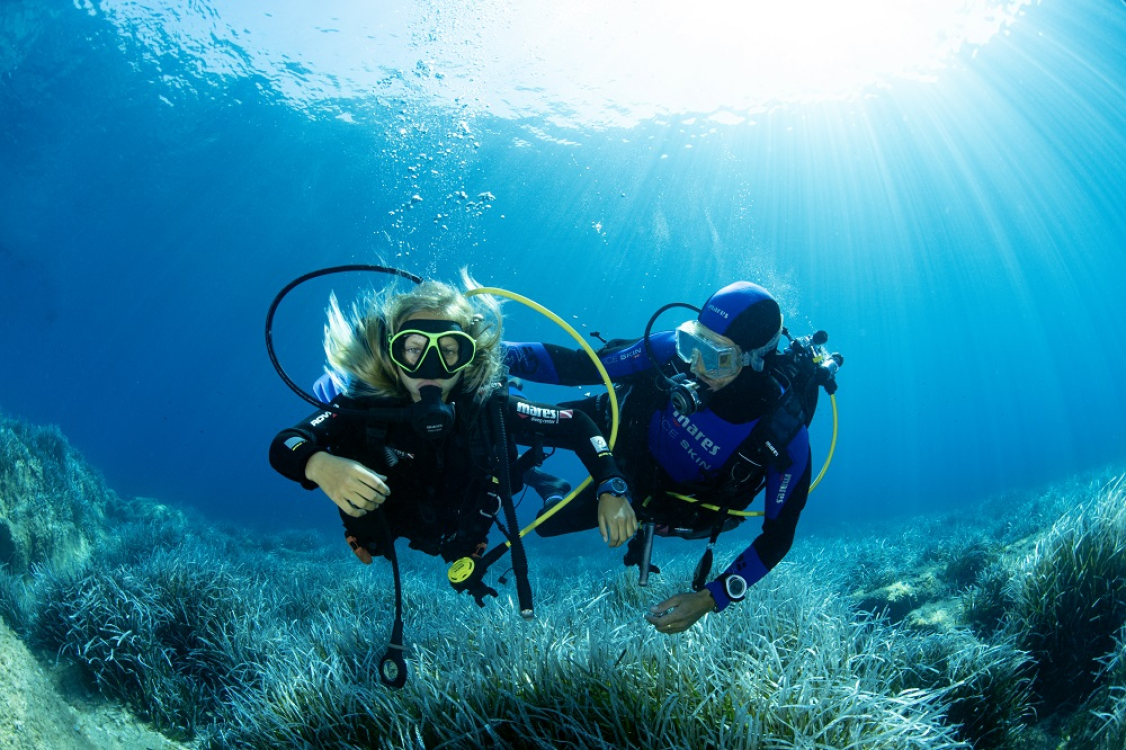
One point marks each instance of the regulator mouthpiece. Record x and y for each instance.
(432, 417)
(686, 396)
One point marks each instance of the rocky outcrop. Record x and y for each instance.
(52, 503)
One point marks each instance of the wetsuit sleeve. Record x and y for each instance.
(549, 363)
(558, 365)
(785, 497)
(570, 429)
(292, 448)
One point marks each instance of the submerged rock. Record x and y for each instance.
(900, 598)
(52, 503)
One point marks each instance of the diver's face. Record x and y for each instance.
(414, 384)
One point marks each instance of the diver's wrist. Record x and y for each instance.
(314, 463)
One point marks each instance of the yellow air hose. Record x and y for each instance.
(832, 446)
(613, 396)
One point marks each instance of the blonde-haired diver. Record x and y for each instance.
(434, 352)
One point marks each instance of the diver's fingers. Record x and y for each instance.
(613, 533)
(370, 479)
(631, 524)
(367, 494)
(663, 607)
(355, 500)
(669, 622)
(348, 508)
(361, 502)
(358, 498)
(613, 528)
(622, 531)
(680, 612)
(671, 628)
(365, 488)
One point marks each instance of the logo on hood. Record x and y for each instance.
(721, 313)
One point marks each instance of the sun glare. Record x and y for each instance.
(582, 62)
(739, 55)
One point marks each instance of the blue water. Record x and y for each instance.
(960, 235)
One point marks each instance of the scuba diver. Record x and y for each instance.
(420, 441)
(711, 414)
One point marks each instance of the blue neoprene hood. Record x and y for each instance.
(744, 312)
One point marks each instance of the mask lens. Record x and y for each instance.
(410, 346)
(713, 358)
(457, 351)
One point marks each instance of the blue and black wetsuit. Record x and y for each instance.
(440, 489)
(711, 455)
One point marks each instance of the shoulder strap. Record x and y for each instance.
(797, 375)
(772, 435)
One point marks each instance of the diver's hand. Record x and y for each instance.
(354, 488)
(680, 612)
(616, 519)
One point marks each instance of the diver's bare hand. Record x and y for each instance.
(616, 520)
(354, 488)
(680, 612)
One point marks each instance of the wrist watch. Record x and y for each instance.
(615, 486)
(735, 587)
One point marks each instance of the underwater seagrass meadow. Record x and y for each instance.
(938, 184)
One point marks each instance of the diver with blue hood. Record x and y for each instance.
(712, 413)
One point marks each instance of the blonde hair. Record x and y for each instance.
(357, 343)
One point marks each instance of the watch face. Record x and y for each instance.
(736, 587)
(616, 486)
